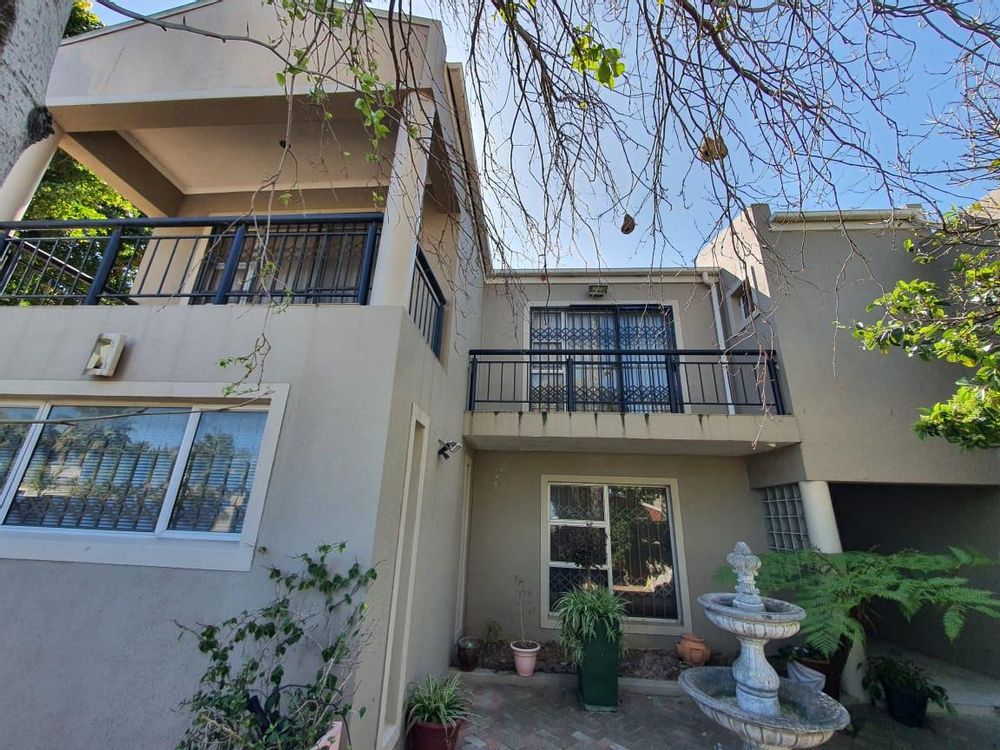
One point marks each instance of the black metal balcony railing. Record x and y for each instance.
(624, 380)
(427, 303)
(321, 258)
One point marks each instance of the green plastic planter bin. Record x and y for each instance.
(598, 674)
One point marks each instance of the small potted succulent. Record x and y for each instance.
(436, 711)
(525, 651)
(590, 622)
(905, 688)
(469, 650)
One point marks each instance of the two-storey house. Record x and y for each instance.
(673, 413)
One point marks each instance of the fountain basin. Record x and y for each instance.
(808, 718)
(777, 620)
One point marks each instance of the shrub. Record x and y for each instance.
(893, 672)
(243, 701)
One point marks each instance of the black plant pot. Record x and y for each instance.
(598, 674)
(468, 657)
(906, 706)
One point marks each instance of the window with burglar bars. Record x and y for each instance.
(616, 381)
(619, 536)
(784, 518)
(144, 470)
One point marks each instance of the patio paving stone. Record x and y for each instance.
(516, 718)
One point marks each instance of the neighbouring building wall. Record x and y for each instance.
(717, 509)
(929, 518)
(100, 640)
(855, 409)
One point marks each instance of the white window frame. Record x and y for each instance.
(164, 547)
(638, 625)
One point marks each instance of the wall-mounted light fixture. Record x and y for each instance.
(596, 291)
(448, 449)
(105, 355)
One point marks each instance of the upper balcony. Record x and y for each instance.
(317, 259)
(611, 372)
(189, 261)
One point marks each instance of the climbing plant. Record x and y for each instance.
(278, 676)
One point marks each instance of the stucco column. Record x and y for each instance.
(825, 536)
(19, 187)
(820, 519)
(404, 204)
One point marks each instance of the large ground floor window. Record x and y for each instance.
(128, 468)
(616, 535)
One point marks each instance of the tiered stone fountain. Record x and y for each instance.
(767, 712)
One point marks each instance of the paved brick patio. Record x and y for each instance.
(514, 717)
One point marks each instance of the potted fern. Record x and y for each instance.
(838, 592)
(905, 688)
(590, 622)
(436, 711)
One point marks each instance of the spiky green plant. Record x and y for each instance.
(838, 591)
(582, 612)
(437, 700)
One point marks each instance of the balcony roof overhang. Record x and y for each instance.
(599, 432)
(170, 137)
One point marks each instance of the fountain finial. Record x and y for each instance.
(745, 564)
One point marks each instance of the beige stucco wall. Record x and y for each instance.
(717, 509)
(855, 408)
(508, 301)
(435, 386)
(99, 641)
(929, 518)
(91, 65)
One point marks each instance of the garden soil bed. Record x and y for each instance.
(646, 664)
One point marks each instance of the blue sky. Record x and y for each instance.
(692, 217)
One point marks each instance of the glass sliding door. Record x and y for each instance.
(608, 378)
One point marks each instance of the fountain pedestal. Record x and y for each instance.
(750, 699)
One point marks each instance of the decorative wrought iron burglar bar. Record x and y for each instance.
(619, 380)
(619, 359)
(301, 259)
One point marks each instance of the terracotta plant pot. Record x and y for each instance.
(525, 657)
(424, 736)
(468, 655)
(693, 650)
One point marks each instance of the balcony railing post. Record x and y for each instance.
(772, 374)
(368, 264)
(105, 268)
(8, 259)
(570, 385)
(473, 377)
(232, 266)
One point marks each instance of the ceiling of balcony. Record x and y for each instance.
(232, 158)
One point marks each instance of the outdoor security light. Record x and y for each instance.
(448, 449)
(104, 357)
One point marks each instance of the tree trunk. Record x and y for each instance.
(30, 31)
